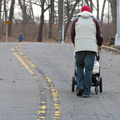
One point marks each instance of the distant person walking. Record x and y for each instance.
(87, 38)
(20, 38)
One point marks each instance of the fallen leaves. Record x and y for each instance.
(87, 101)
(99, 96)
(1, 78)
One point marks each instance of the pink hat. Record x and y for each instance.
(85, 8)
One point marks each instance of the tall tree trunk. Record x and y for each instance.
(31, 12)
(24, 19)
(43, 10)
(40, 33)
(70, 17)
(0, 9)
(1, 24)
(5, 10)
(11, 17)
(40, 38)
(91, 5)
(23, 8)
(60, 11)
(67, 9)
(51, 18)
(98, 11)
(114, 14)
(87, 2)
(102, 14)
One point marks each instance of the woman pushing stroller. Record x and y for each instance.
(87, 39)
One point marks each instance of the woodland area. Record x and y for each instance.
(38, 29)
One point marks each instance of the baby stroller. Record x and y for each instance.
(96, 78)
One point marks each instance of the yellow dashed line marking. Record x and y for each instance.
(33, 65)
(24, 64)
(41, 111)
(43, 107)
(43, 102)
(12, 49)
(21, 53)
(35, 77)
(54, 92)
(42, 92)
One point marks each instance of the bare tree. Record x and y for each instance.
(60, 11)
(70, 15)
(91, 5)
(24, 16)
(1, 24)
(31, 14)
(23, 9)
(0, 9)
(102, 14)
(98, 11)
(5, 10)
(55, 15)
(43, 10)
(87, 2)
(51, 18)
(114, 13)
(11, 17)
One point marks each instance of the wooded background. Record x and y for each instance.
(37, 28)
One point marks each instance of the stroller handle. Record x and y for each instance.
(98, 55)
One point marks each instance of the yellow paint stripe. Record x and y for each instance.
(33, 65)
(42, 117)
(54, 92)
(21, 53)
(42, 92)
(43, 102)
(41, 112)
(13, 50)
(36, 77)
(24, 64)
(43, 107)
(57, 113)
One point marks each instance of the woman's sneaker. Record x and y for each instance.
(79, 92)
(85, 96)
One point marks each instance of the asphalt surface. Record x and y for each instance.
(35, 84)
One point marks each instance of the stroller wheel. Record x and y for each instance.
(73, 83)
(96, 90)
(100, 87)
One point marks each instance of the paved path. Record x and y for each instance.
(36, 84)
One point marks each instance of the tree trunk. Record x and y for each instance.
(60, 11)
(43, 10)
(40, 33)
(102, 14)
(11, 17)
(23, 8)
(1, 24)
(51, 17)
(67, 9)
(0, 9)
(40, 38)
(98, 9)
(87, 2)
(5, 10)
(91, 5)
(114, 14)
(31, 12)
(70, 16)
